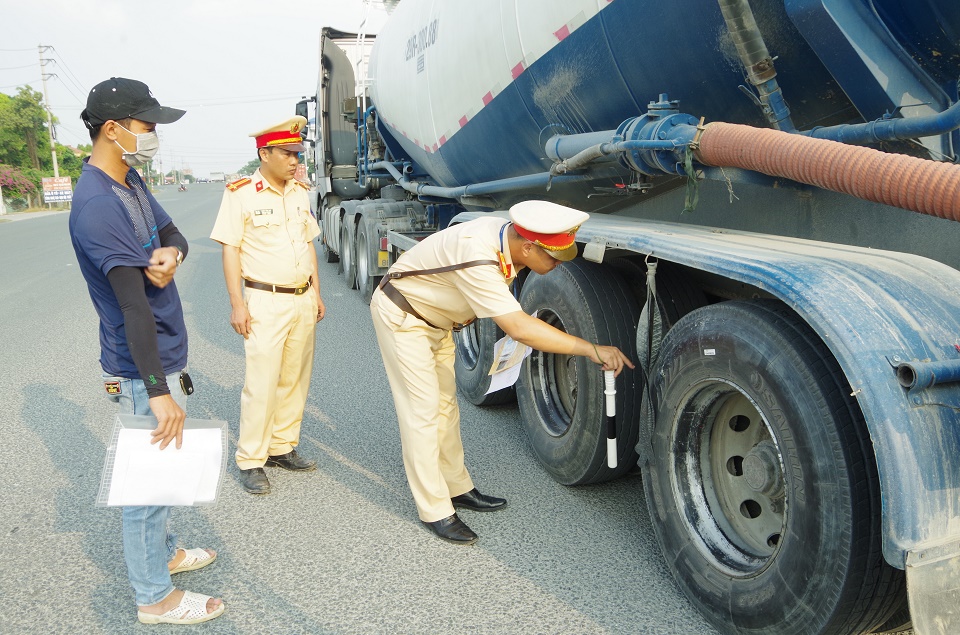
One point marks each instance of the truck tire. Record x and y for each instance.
(475, 345)
(561, 396)
(327, 231)
(899, 623)
(328, 254)
(676, 294)
(365, 257)
(762, 486)
(347, 253)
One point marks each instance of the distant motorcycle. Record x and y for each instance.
(182, 188)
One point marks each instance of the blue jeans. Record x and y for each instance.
(147, 543)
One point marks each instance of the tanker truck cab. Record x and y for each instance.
(773, 242)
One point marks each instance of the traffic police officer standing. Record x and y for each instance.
(443, 282)
(270, 266)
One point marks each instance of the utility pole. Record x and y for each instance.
(46, 101)
(163, 177)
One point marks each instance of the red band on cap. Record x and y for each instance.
(553, 242)
(277, 138)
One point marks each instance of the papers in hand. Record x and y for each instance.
(137, 472)
(508, 356)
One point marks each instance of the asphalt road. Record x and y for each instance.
(336, 551)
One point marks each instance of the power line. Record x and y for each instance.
(27, 83)
(79, 101)
(202, 148)
(243, 97)
(234, 101)
(70, 72)
(70, 80)
(177, 104)
(13, 68)
(15, 50)
(203, 157)
(196, 150)
(231, 101)
(79, 135)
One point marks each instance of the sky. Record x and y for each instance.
(235, 66)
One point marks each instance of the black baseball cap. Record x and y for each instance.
(121, 98)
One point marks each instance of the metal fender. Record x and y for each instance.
(877, 311)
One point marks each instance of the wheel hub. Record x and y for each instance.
(555, 379)
(761, 470)
(740, 475)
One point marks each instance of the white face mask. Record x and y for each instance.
(147, 145)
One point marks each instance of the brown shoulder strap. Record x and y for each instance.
(396, 275)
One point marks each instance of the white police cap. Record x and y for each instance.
(285, 134)
(551, 226)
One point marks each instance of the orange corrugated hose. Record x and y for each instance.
(920, 185)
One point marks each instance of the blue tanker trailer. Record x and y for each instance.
(774, 195)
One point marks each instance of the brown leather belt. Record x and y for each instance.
(391, 292)
(275, 289)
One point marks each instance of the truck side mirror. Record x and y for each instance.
(302, 109)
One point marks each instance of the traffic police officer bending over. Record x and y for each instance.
(270, 266)
(447, 280)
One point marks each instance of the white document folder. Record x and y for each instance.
(508, 355)
(137, 472)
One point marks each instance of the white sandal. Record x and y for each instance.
(193, 559)
(191, 610)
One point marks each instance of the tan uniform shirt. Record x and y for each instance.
(272, 229)
(458, 296)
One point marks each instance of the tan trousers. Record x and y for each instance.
(419, 364)
(279, 356)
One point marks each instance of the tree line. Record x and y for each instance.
(25, 147)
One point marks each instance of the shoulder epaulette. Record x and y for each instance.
(236, 185)
(303, 185)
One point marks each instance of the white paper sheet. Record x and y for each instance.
(143, 474)
(508, 356)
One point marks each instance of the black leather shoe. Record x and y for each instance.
(292, 461)
(255, 480)
(479, 502)
(452, 529)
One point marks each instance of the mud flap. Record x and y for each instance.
(933, 587)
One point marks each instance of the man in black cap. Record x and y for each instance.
(129, 250)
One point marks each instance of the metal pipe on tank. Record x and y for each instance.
(564, 146)
(891, 129)
(587, 156)
(919, 185)
(475, 189)
(757, 61)
(927, 374)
